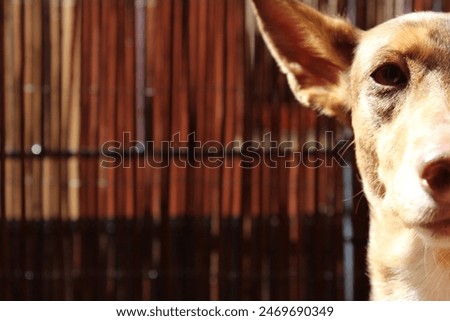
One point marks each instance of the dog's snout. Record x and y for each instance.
(435, 176)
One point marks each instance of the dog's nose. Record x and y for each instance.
(435, 175)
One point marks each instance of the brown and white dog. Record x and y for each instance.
(392, 83)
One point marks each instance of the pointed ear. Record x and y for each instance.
(314, 50)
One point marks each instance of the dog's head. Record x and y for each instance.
(392, 84)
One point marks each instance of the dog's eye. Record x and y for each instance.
(389, 75)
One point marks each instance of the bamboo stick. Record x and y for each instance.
(179, 115)
(51, 195)
(72, 97)
(107, 104)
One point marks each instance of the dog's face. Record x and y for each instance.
(393, 82)
(400, 89)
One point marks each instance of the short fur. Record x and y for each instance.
(401, 129)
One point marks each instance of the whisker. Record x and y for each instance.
(352, 143)
(359, 202)
(361, 192)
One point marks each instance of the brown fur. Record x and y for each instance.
(335, 68)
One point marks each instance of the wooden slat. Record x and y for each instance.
(446, 5)
(422, 5)
(125, 117)
(13, 170)
(107, 103)
(72, 97)
(32, 105)
(52, 121)
(179, 115)
(89, 106)
(160, 132)
(4, 247)
(249, 175)
(150, 283)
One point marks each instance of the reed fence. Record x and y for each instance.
(150, 150)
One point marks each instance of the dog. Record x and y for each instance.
(391, 84)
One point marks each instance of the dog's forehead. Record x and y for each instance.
(420, 35)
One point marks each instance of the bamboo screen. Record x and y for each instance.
(152, 150)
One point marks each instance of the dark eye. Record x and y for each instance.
(390, 75)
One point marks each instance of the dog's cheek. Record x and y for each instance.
(380, 150)
(390, 151)
(368, 164)
(366, 130)
(367, 159)
(398, 171)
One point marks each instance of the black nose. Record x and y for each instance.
(435, 175)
